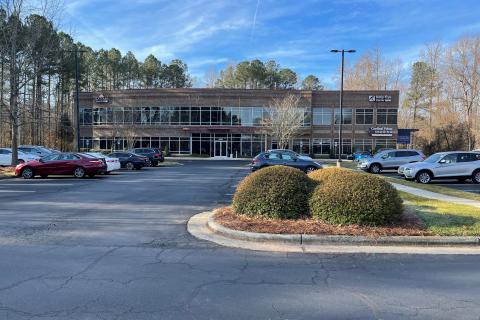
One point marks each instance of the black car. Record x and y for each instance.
(130, 160)
(266, 159)
(152, 154)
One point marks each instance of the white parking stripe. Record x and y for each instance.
(12, 191)
(46, 184)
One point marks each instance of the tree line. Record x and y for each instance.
(256, 74)
(37, 76)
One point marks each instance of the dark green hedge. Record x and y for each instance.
(355, 198)
(278, 192)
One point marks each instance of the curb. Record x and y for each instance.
(310, 239)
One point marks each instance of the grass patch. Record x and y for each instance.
(443, 218)
(435, 188)
(345, 164)
(7, 172)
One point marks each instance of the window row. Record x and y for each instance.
(225, 116)
(324, 116)
(211, 116)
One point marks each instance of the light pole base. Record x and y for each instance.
(339, 163)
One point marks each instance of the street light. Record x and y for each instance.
(339, 161)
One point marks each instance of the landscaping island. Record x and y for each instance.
(339, 202)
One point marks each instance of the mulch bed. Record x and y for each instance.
(409, 225)
(7, 171)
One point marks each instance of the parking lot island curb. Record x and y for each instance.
(204, 227)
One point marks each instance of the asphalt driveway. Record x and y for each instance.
(117, 248)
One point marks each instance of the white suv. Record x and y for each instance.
(459, 165)
(390, 159)
(6, 157)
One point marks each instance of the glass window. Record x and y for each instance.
(205, 115)
(364, 116)
(236, 116)
(322, 116)
(175, 115)
(226, 116)
(347, 116)
(450, 158)
(258, 116)
(307, 118)
(118, 115)
(128, 115)
(387, 116)
(165, 115)
(363, 145)
(145, 115)
(195, 114)
(185, 115)
(247, 116)
(155, 113)
(321, 146)
(137, 117)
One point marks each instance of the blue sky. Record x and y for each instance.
(298, 34)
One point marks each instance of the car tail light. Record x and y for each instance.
(110, 160)
(96, 161)
(156, 155)
(255, 161)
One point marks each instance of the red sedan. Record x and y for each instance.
(61, 164)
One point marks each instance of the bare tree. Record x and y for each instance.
(285, 119)
(463, 67)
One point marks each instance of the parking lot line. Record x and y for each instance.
(46, 184)
(11, 191)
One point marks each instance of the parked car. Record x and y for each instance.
(112, 163)
(459, 165)
(162, 156)
(266, 159)
(36, 150)
(6, 157)
(153, 156)
(291, 153)
(61, 164)
(390, 159)
(130, 160)
(359, 155)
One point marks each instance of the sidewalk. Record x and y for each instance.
(436, 196)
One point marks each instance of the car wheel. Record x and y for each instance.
(476, 177)
(375, 168)
(129, 166)
(27, 173)
(79, 172)
(44, 176)
(424, 177)
(310, 169)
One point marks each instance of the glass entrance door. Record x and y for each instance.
(221, 149)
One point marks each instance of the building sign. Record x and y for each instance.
(101, 99)
(404, 136)
(380, 98)
(380, 132)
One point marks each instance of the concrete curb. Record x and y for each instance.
(341, 239)
(198, 227)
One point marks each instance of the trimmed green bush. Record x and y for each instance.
(355, 198)
(325, 174)
(277, 192)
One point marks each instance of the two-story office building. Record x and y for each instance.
(230, 122)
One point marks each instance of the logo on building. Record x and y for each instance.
(380, 98)
(101, 99)
(380, 132)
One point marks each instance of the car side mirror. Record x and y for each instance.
(384, 156)
(442, 161)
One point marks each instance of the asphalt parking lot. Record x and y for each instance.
(116, 247)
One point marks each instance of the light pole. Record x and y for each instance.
(339, 161)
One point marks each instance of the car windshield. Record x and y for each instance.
(433, 158)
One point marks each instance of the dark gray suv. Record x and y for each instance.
(275, 158)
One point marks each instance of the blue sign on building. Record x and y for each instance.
(404, 135)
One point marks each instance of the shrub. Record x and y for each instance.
(325, 174)
(274, 192)
(355, 198)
